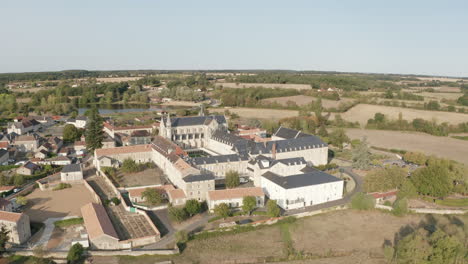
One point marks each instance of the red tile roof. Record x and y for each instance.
(137, 192)
(10, 216)
(235, 193)
(97, 221)
(123, 150)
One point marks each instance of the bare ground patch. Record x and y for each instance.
(445, 147)
(147, 177)
(48, 204)
(349, 230)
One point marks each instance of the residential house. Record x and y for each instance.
(41, 154)
(26, 143)
(28, 168)
(17, 224)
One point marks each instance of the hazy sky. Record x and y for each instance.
(422, 37)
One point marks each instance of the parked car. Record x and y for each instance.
(20, 162)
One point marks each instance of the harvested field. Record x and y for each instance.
(245, 247)
(260, 113)
(361, 231)
(51, 204)
(265, 85)
(445, 147)
(363, 112)
(302, 100)
(440, 96)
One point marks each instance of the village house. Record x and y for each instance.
(234, 197)
(17, 224)
(28, 168)
(23, 126)
(26, 143)
(41, 154)
(79, 122)
(71, 172)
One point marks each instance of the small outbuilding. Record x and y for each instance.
(71, 172)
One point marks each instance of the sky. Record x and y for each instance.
(409, 37)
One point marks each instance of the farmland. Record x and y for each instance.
(445, 147)
(265, 85)
(260, 113)
(302, 100)
(363, 112)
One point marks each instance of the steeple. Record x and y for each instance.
(202, 110)
(168, 120)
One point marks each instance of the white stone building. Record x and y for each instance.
(234, 197)
(301, 190)
(71, 173)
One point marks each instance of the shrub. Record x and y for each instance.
(62, 186)
(248, 204)
(115, 200)
(222, 210)
(193, 207)
(152, 196)
(232, 179)
(75, 253)
(273, 209)
(130, 166)
(400, 207)
(21, 200)
(177, 214)
(362, 201)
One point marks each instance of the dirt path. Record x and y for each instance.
(444, 147)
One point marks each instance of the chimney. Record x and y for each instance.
(273, 151)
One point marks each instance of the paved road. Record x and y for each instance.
(346, 199)
(169, 238)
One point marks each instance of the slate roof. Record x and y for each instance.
(272, 162)
(194, 120)
(3, 152)
(198, 177)
(71, 168)
(313, 177)
(227, 138)
(218, 159)
(288, 133)
(286, 145)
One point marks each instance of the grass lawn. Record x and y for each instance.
(460, 137)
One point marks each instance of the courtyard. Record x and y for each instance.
(57, 204)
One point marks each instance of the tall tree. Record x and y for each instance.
(361, 155)
(338, 137)
(232, 179)
(248, 204)
(94, 134)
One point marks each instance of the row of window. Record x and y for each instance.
(189, 136)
